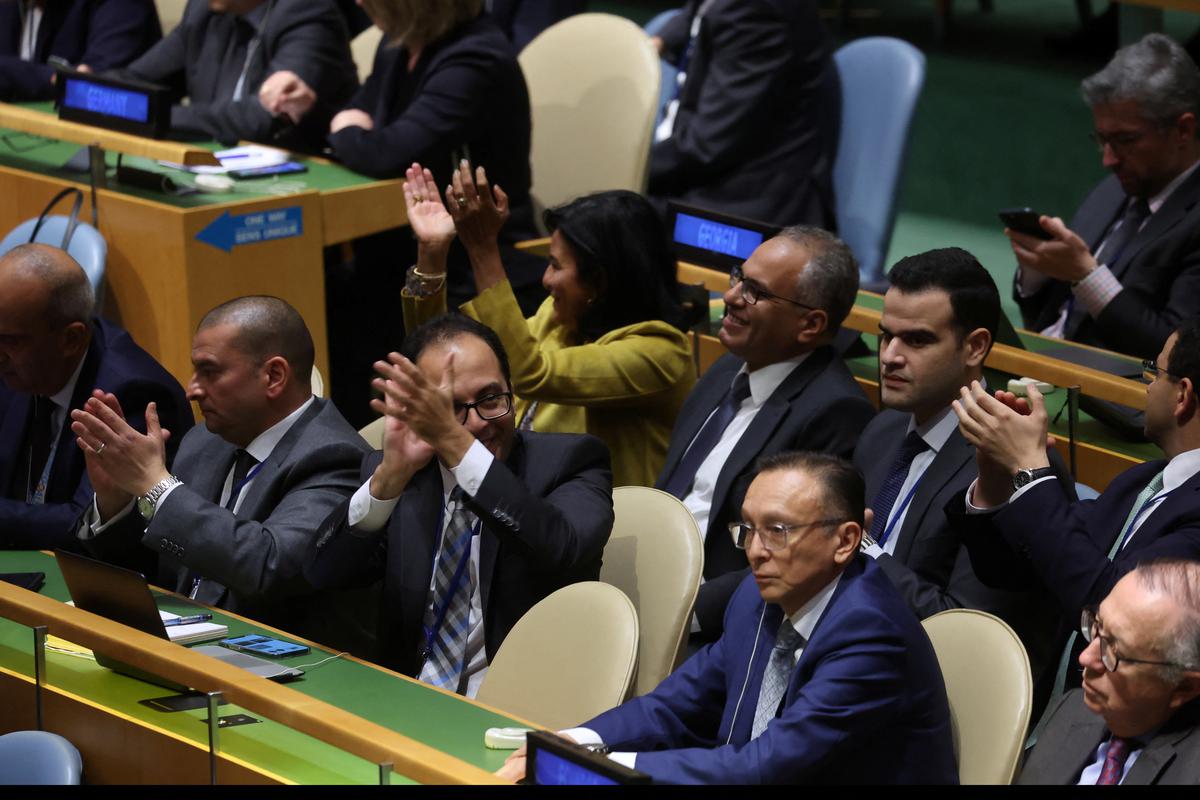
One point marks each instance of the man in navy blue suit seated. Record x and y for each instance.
(822, 675)
(53, 355)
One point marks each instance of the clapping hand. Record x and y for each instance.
(1009, 433)
(121, 462)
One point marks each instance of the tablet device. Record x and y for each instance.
(553, 761)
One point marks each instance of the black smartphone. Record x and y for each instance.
(286, 168)
(1024, 220)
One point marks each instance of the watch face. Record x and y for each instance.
(145, 508)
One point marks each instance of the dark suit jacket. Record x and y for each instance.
(104, 34)
(757, 127)
(546, 515)
(115, 364)
(1069, 742)
(203, 57)
(252, 561)
(1159, 272)
(930, 566)
(818, 407)
(1042, 539)
(865, 704)
(522, 20)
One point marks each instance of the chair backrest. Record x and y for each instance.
(318, 382)
(655, 556)
(593, 90)
(990, 688)
(38, 758)
(362, 50)
(87, 246)
(372, 433)
(667, 71)
(170, 12)
(881, 82)
(572, 656)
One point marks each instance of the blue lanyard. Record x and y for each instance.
(431, 634)
(898, 514)
(37, 493)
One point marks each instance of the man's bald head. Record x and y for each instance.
(267, 327)
(45, 318)
(51, 276)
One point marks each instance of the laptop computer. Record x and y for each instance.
(553, 761)
(123, 596)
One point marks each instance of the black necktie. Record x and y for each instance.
(913, 446)
(680, 482)
(242, 463)
(37, 450)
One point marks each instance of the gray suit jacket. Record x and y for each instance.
(1069, 742)
(251, 561)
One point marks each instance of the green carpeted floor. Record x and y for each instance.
(1000, 121)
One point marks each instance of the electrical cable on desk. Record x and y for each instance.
(308, 666)
(68, 652)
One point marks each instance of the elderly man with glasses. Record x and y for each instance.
(1127, 270)
(822, 676)
(781, 387)
(468, 521)
(1022, 531)
(1134, 719)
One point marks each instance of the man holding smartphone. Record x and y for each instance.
(1126, 271)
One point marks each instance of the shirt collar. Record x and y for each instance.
(805, 619)
(765, 380)
(263, 444)
(1156, 202)
(937, 429)
(1180, 469)
(62, 398)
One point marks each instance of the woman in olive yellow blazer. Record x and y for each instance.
(605, 353)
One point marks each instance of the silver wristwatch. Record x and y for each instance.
(148, 502)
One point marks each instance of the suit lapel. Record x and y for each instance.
(707, 395)
(17, 419)
(1161, 519)
(743, 723)
(260, 492)
(766, 422)
(1078, 749)
(414, 533)
(489, 546)
(1093, 227)
(1172, 212)
(955, 454)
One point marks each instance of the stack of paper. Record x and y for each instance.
(196, 632)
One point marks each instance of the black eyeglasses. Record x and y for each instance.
(1151, 370)
(752, 292)
(493, 406)
(1089, 626)
(1121, 141)
(773, 537)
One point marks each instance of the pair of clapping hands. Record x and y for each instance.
(1008, 432)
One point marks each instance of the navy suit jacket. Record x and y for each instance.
(546, 515)
(757, 127)
(523, 20)
(115, 364)
(1159, 272)
(818, 407)
(104, 34)
(865, 704)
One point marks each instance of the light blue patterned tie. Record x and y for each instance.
(775, 678)
(446, 658)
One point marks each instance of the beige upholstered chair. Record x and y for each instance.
(372, 432)
(318, 382)
(572, 656)
(593, 88)
(990, 689)
(169, 13)
(362, 50)
(655, 556)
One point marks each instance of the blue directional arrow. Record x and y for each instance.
(235, 230)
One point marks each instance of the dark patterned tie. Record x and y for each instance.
(40, 438)
(912, 447)
(684, 475)
(243, 462)
(775, 679)
(445, 658)
(1114, 762)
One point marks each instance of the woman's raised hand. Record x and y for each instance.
(426, 214)
(478, 208)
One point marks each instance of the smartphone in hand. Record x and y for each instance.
(1024, 220)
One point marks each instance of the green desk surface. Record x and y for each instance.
(448, 724)
(46, 156)
(1087, 430)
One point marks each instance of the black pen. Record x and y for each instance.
(187, 620)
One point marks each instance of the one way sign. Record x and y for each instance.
(235, 230)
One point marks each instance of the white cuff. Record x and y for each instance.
(1097, 290)
(625, 759)
(91, 526)
(874, 550)
(582, 735)
(974, 509)
(368, 514)
(473, 468)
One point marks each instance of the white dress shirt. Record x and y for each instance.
(31, 22)
(763, 383)
(804, 621)
(935, 432)
(368, 515)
